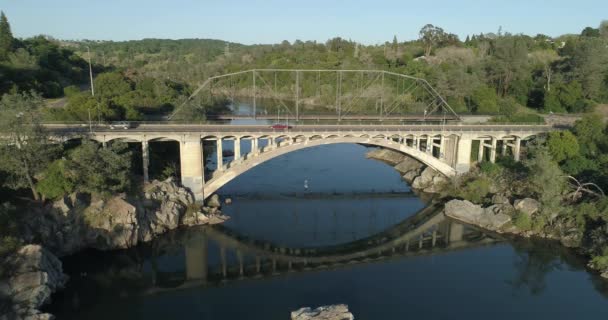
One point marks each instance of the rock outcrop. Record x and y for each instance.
(78, 222)
(414, 172)
(31, 275)
(527, 206)
(389, 156)
(334, 312)
(490, 218)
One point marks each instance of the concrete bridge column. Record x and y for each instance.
(463, 155)
(442, 148)
(191, 164)
(237, 149)
(429, 144)
(220, 155)
(517, 148)
(145, 155)
(482, 146)
(493, 150)
(254, 146)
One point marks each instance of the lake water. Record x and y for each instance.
(357, 235)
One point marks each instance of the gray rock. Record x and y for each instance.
(410, 176)
(228, 201)
(334, 312)
(528, 206)
(500, 199)
(33, 274)
(389, 156)
(425, 179)
(471, 213)
(214, 201)
(408, 165)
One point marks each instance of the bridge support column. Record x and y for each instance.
(254, 146)
(493, 150)
(145, 155)
(463, 156)
(482, 146)
(237, 149)
(191, 164)
(220, 155)
(517, 148)
(429, 144)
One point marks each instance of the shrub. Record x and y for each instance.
(476, 190)
(522, 221)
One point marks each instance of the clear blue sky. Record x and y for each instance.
(257, 21)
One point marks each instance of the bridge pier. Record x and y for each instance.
(463, 155)
(145, 155)
(237, 149)
(493, 150)
(191, 165)
(220, 155)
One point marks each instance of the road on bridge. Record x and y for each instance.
(175, 128)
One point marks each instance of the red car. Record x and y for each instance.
(280, 126)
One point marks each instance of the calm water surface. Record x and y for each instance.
(356, 236)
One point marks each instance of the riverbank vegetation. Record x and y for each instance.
(567, 173)
(512, 76)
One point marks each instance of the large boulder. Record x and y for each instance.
(500, 199)
(527, 206)
(334, 312)
(471, 213)
(425, 179)
(389, 156)
(410, 176)
(409, 164)
(33, 274)
(214, 201)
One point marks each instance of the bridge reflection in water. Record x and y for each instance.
(428, 232)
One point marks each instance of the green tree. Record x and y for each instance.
(54, 182)
(546, 181)
(589, 132)
(6, 37)
(484, 100)
(25, 150)
(431, 36)
(562, 145)
(97, 170)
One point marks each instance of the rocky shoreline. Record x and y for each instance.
(78, 222)
(415, 173)
(498, 218)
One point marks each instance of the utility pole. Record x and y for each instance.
(254, 102)
(92, 86)
(297, 95)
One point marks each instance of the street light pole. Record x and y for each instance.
(92, 86)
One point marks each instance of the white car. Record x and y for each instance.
(120, 125)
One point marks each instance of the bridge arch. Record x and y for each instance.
(221, 178)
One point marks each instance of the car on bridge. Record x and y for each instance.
(121, 125)
(279, 126)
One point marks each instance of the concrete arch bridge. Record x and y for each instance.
(449, 149)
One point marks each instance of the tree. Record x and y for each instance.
(484, 100)
(54, 182)
(562, 145)
(547, 181)
(508, 63)
(590, 32)
(6, 37)
(25, 150)
(431, 36)
(589, 131)
(98, 170)
(603, 30)
(587, 62)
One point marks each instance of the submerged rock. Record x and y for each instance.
(31, 275)
(333, 312)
